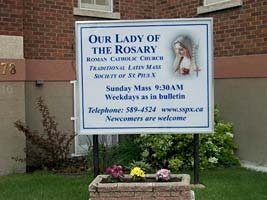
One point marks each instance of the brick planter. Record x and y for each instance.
(179, 190)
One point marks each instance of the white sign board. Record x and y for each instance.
(150, 76)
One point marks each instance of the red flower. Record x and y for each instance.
(185, 71)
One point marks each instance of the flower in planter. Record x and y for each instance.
(163, 175)
(115, 172)
(137, 174)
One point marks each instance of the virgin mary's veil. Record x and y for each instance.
(185, 42)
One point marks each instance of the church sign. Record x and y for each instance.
(145, 76)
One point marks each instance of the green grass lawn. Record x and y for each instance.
(44, 186)
(221, 184)
(232, 184)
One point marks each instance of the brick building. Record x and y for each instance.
(37, 55)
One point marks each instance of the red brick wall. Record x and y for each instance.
(48, 29)
(11, 17)
(241, 31)
(176, 8)
(237, 31)
(136, 9)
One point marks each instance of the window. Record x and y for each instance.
(96, 8)
(101, 5)
(210, 2)
(215, 5)
(84, 143)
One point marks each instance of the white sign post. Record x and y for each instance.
(145, 76)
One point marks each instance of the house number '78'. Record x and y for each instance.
(8, 67)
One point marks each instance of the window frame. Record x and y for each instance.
(219, 2)
(95, 7)
(92, 12)
(225, 4)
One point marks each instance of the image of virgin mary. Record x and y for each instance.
(184, 62)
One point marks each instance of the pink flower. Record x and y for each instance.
(163, 175)
(115, 171)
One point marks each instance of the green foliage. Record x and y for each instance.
(175, 164)
(176, 151)
(125, 152)
(122, 154)
(155, 148)
(146, 167)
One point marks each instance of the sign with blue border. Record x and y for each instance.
(145, 76)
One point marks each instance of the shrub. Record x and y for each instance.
(49, 149)
(124, 153)
(176, 151)
(175, 164)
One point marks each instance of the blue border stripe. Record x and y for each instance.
(208, 102)
(127, 26)
(148, 127)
